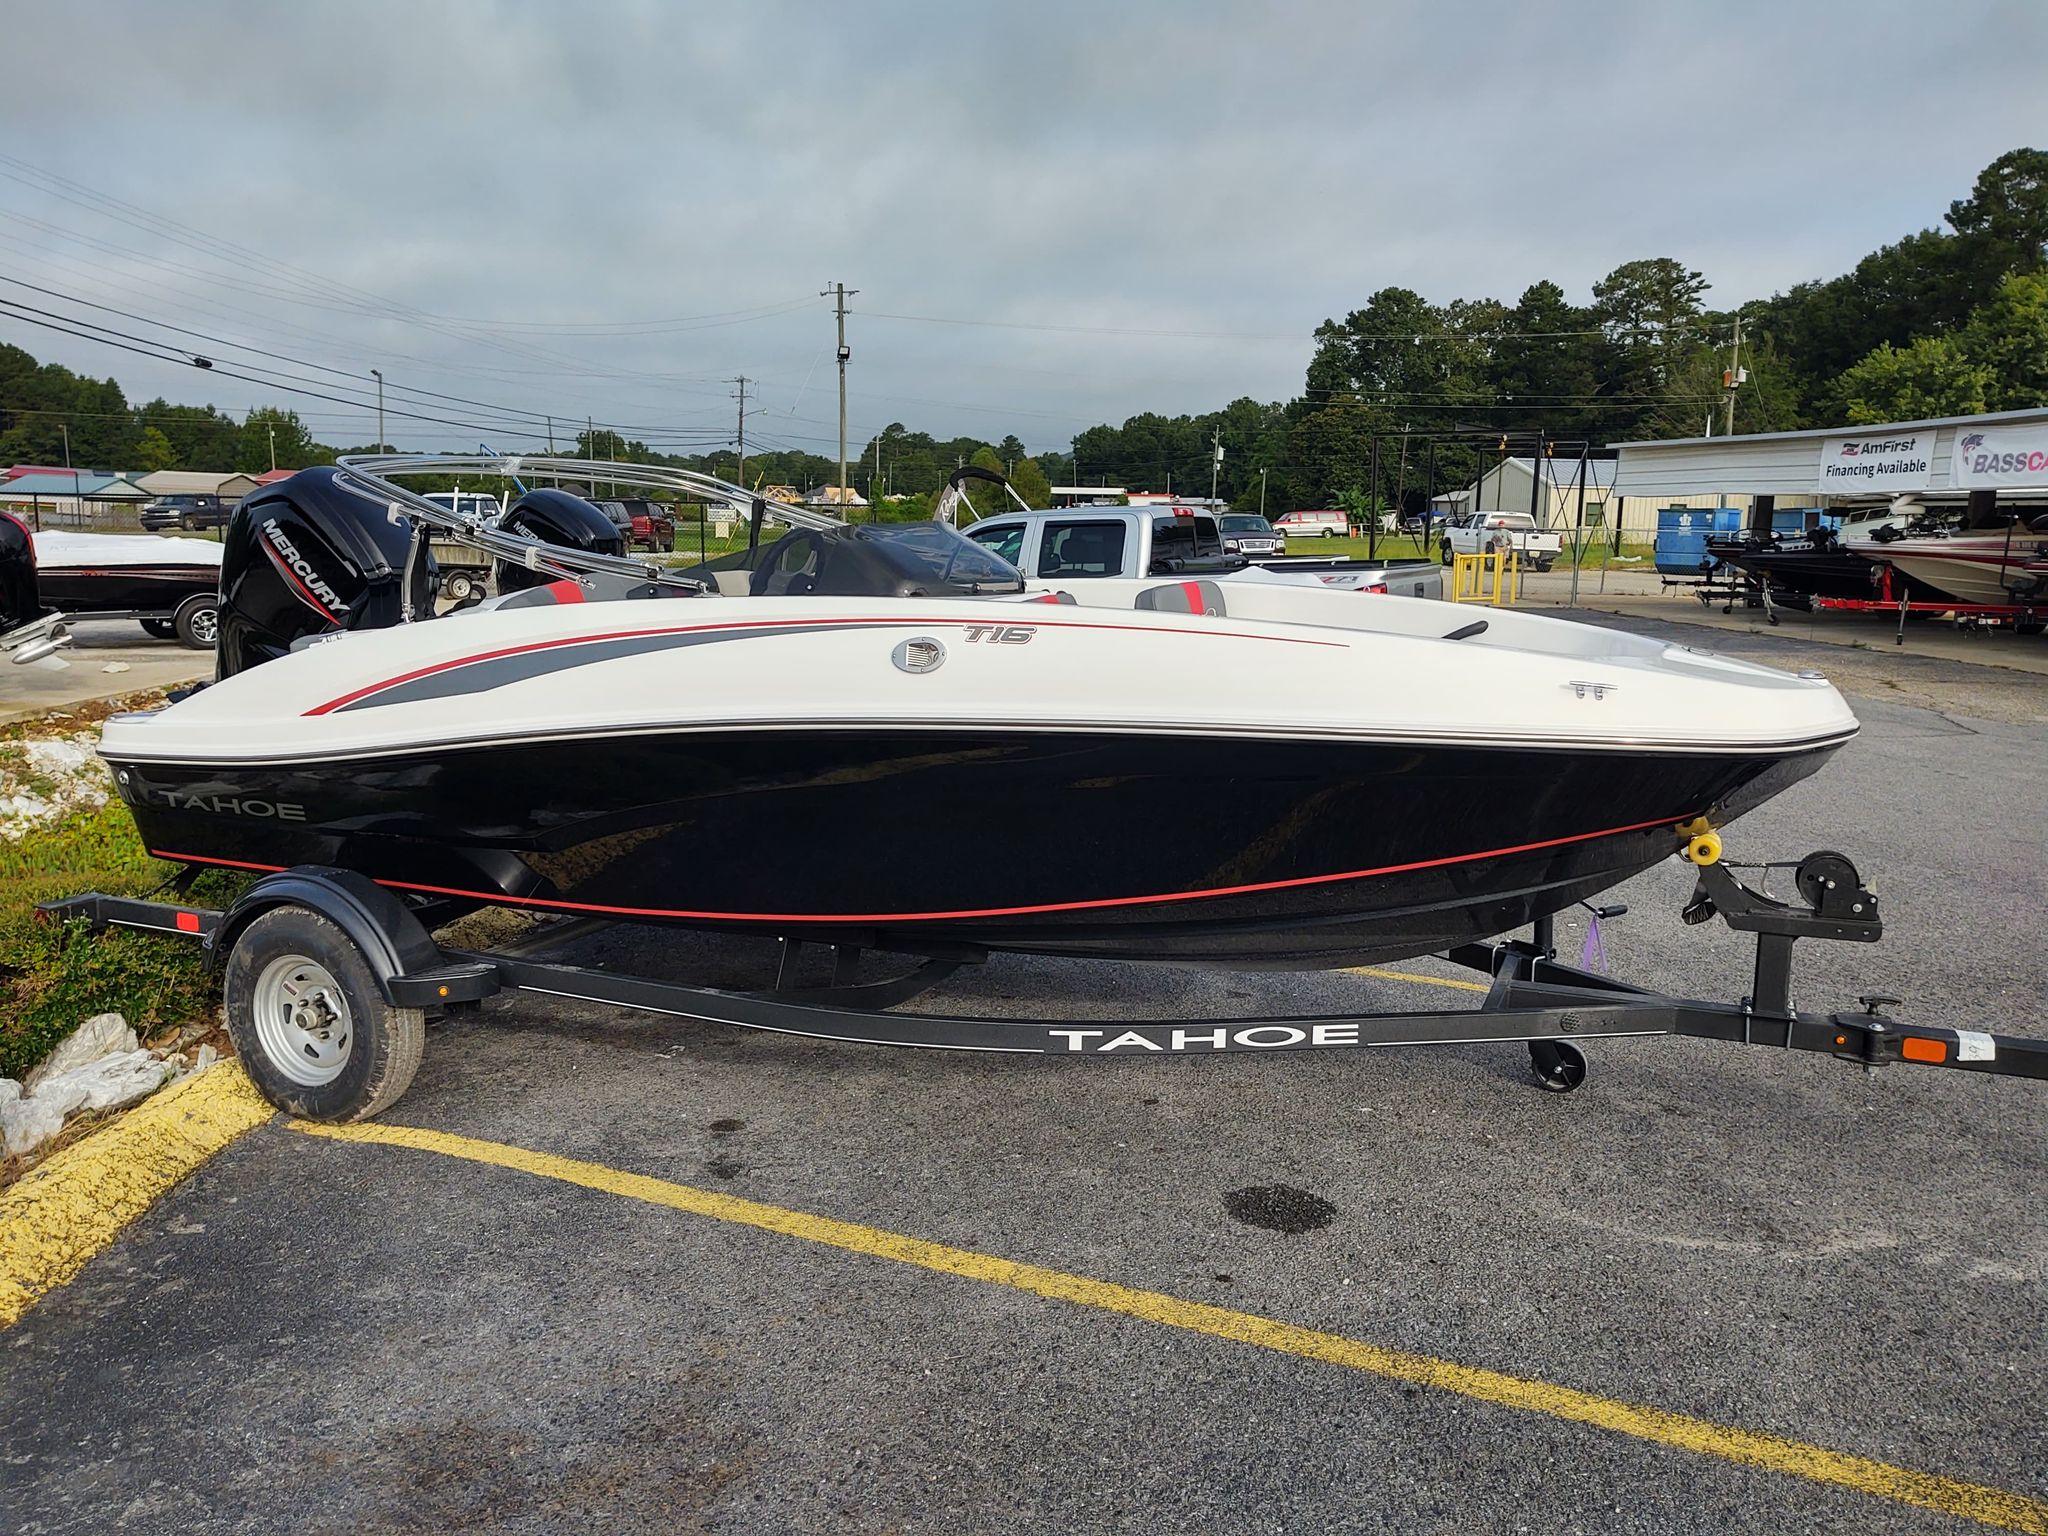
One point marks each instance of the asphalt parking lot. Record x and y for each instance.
(353, 1334)
(96, 645)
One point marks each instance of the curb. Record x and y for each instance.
(62, 1213)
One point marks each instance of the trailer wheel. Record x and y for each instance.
(162, 629)
(1447, 551)
(197, 622)
(1560, 1065)
(313, 1031)
(460, 587)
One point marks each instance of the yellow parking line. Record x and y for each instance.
(60, 1214)
(1428, 981)
(1991, 1506)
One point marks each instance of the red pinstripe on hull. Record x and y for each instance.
(498, 899)
(772, 624)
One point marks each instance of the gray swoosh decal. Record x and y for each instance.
(502, 671)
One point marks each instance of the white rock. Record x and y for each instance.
(101, 1035)
(115, 666)
(206, 1058)
(26, 1124)
(10, 1090)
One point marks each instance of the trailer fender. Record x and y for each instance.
(410, 969)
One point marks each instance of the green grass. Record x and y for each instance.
(51, 981)
(1594, 552)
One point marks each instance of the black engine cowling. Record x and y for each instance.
(20, 603)
(555, 517)
(311, 556)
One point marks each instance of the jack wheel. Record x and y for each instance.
(1560, 1065)
(1704, 849)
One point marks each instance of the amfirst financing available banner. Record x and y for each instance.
(1858, 466)
(2002, 457)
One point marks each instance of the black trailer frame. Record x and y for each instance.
(1533, 999)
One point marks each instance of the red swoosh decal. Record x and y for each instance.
(769, 624)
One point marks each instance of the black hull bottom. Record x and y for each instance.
(1236, 851)
(124, 590)
(1798, 576)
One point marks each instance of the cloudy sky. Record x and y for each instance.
(1055, 214)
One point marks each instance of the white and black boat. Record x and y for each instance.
(170, 585)
(890, 741)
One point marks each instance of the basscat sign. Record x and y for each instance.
(1858, 466)
(2011, 457)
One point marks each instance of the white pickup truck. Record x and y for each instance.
(1077, 543)
(1479, 533)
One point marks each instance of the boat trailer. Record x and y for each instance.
(1532, 998)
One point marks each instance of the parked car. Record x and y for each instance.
(643, 523)
(190, 512)
(1247, 533)
(1312, 525)
(1479, 533)
(1079, 543)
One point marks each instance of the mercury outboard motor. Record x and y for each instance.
(554, 517)
(314, 556)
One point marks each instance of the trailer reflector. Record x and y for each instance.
(1914, 1048)
(188, 922)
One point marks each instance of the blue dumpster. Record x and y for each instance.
(1682, 537)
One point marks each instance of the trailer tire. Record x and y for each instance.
(1447, 552)
(460, 587)
(310, 1024)
(197, 622)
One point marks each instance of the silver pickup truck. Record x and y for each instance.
(1079, 543)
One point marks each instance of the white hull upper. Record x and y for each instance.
(116, 551)
(1285, 661)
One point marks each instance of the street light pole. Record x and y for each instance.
(378, 374)
(1262, 493)
(273, 450)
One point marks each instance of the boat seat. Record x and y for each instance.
(1183, 597)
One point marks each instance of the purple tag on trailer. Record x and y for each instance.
(1593, 953)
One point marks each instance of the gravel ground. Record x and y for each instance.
(317, 1336)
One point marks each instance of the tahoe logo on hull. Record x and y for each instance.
(219, 805)
(293, 561)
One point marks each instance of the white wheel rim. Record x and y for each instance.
(302, 1020)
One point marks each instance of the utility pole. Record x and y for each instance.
(1262, 493)
(741, 474)
(65, 428)
(837, 293)
(1215, 463)
(273, 450)
(1732, 379)
(378, 375)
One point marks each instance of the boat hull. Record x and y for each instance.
(1978, 570)
(82, 590)
(1245, 850)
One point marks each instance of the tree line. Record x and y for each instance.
(1400, 395)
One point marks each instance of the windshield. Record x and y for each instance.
(946, 555)
(1244, 522)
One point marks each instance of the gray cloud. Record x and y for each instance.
(1223, 169)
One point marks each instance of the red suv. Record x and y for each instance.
(643, 523)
